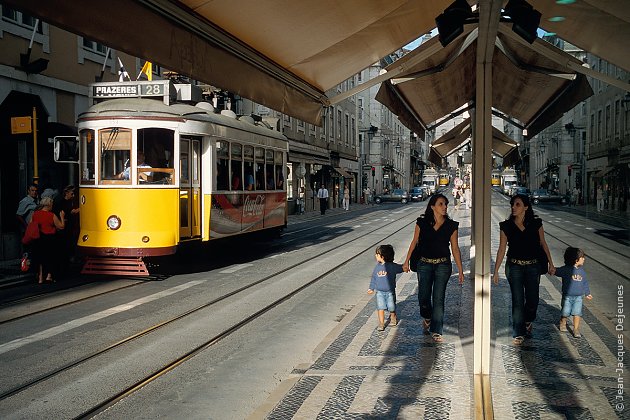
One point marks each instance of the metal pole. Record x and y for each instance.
(35, 171)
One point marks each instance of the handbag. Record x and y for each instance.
(31, 234)
(25, 263)
(543, 262)
(414, 258)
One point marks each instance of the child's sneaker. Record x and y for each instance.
(380, 328)
(576, 334)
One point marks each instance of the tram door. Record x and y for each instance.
(189, 187)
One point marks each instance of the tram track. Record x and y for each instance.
(216, 338)
(588, 254)
(34, 298)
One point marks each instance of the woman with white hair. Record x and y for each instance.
(45, 248)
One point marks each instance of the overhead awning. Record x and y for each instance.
(285, 54)
(282, 54)
(308, 158)
(343, 173)
(601, 27)
(604, 172)
(454, 139)
(526, 85)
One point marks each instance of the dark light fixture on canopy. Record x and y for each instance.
(450, 24)
(525, 19)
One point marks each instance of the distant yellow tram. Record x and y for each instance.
(155, 173)
(444, 177)
(496, 177)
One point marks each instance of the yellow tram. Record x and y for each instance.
(496, 177)
(444, 177)
(158, 169)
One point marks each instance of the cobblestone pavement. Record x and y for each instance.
(400, 373)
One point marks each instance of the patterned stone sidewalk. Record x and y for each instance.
(397, 373)
(554, 375)
(400, 373)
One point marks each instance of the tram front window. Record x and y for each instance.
(157, 145)
(115, 147)
(87, 154)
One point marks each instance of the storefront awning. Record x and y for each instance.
(308, 158)
(604, 172)
(343, 173)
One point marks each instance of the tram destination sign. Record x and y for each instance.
(163, 89)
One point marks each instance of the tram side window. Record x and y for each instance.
(158, 147)
(260, 168)
(269, 174)
(279, 173)
(236, 154)
(223, 160)
(87, 156)
(115, 147)
(248, 157)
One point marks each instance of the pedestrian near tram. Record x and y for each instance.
(26, 207)
(46, 247)
(322, 194)
(524, 236)
(346, 198)
(434, 232)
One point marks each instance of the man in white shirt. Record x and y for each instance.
(142, 176)
(322, 194)
(26, 207)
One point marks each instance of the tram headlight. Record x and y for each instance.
(113, 222)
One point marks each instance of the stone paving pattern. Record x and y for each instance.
(401, 374)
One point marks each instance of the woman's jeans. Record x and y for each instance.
(432, 280)
(525, 286)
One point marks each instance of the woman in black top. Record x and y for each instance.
(524, 235)
(433, 233)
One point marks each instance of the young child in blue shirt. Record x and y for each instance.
(574, 287)
(383, 282)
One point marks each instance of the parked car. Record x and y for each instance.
(522, 191)
(419, 193)
(510, 190)
(544, 196)
(398, 195)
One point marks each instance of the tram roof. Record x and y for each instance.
(152, 108)
(286, 54)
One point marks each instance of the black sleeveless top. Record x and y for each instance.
(435, 243)
(522, 245)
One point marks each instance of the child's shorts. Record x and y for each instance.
(571, 305)
(385, 300)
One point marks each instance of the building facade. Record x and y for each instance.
(589, 147)
(44, 84)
